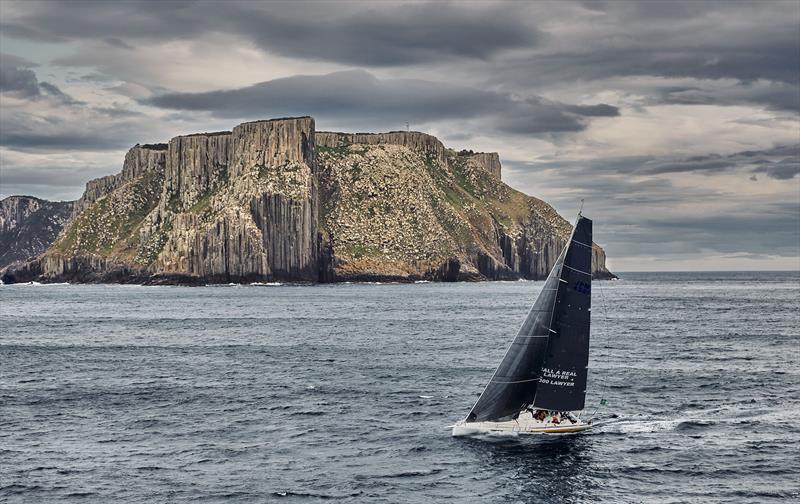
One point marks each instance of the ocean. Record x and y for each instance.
(282, 393)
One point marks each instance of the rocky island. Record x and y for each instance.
(276, 200)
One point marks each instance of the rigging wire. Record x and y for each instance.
(608, 351)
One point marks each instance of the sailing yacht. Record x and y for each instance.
(540, 385)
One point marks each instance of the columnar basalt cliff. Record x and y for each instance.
(214, 207)
(275, 200)
(29, 225)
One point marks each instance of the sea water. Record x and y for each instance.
(308, 393)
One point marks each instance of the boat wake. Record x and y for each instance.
(479, 433)
(699, 419)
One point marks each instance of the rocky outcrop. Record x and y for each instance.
(489, 161)
(412, 140)
(29, 225)
(141, 159)
(275, 200)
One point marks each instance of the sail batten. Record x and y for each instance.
(545, 364)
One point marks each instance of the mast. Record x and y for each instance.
(545, 365)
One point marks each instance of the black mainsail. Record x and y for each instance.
(546, 364)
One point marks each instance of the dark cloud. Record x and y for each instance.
(784, 169)
(395, 35)
(352, 33)
(601, 110)
(360, 97)
(61, 124)
(95, 77)
(118, 42)
(17, 61)
(20, 81)
(35, 140)
(769, 161)
(779, 162)
(748, 42)
(772, 95)
(55, 92)
(778, 150)
(731, 53)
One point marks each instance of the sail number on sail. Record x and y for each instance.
(558, 377)
(583, 287)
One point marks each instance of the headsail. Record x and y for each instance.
(546, 363)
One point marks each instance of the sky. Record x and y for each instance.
(677, 123)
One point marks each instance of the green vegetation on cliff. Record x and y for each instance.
(109, 226)
(390, 211)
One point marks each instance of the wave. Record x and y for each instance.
(38, 284)
(478, 433)
(637, 426)
(697, 419)
(306, 495)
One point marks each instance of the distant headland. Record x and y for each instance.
(276, 200)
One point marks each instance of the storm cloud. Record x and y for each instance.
(359, 96)
(345, 32)
(18, 79)
(779, 162)
(21, 81)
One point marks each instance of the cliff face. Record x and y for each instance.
(400, 206)
(275, 200)
(218, 207)
(241, 205)
(29, 225)
(141, 159)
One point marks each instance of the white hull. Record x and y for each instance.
(524, 424)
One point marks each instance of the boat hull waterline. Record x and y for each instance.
(514, 427)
